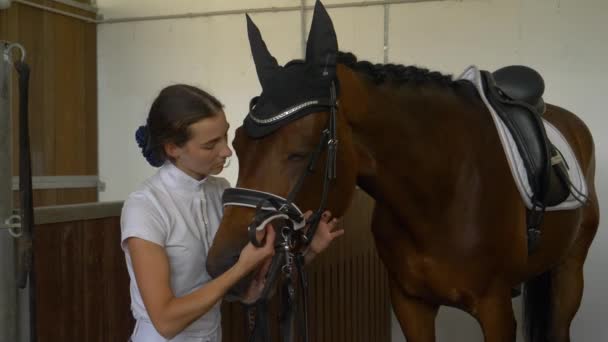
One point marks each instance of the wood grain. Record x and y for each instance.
(61, 52)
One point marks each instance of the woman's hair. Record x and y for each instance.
(172, 112)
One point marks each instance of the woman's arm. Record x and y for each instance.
(169, 314)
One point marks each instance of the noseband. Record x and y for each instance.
(291, 237)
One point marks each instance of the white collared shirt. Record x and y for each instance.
(182, 215)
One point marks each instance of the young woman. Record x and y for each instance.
(168, 224)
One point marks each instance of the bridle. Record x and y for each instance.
(291, 237)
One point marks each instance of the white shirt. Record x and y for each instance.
(182, 215)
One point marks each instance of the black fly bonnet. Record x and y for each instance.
(289, 93)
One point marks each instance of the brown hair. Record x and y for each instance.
(172, 112)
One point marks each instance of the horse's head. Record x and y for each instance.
(293, 122)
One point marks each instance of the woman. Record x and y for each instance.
(168, 224)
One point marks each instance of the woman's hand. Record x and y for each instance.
(326, 232)
(252, 256)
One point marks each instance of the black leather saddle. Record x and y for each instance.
(515, 92)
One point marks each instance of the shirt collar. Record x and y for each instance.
(179, 180)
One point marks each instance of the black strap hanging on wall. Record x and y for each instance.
(25, 243)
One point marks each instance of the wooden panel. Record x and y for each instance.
(61, 52)
(82, 283)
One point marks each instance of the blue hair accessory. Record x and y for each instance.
(142, 136)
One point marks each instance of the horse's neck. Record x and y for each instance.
(394, 135)
(408, 142)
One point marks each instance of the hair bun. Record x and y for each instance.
(142, 136)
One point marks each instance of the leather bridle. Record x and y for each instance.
(291, 237)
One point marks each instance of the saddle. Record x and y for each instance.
(516, 92)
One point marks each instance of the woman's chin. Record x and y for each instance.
(216, 170)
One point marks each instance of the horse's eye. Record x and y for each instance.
(296, 157)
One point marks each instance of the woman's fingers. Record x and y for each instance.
(326, 216)
(337, 233)
(270, 236)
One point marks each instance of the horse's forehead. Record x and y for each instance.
(305, 130)
(302, 131)
(304, 126)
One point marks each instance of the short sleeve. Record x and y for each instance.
(141, 219)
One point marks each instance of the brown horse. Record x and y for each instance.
(449, 222)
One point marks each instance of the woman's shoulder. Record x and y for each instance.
(145, 216)
(148, 194)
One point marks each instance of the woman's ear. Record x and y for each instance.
(172, 151)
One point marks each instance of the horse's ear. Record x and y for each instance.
(265, 63)
(322, 45)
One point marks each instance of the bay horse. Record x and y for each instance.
(449, 223)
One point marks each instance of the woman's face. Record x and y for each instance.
(206, 151)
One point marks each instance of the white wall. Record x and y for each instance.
(563, 39)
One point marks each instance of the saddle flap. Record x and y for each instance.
(548, 181)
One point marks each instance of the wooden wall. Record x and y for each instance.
(61, 52)
(83, 285)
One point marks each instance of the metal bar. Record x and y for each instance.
(303, 26)
(256, 10)
(56, 11)
(79, 5)
(202, 14)
(61, 182)
(386, 31)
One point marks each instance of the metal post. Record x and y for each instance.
(387, 16)
(8, 285)
(303, 27)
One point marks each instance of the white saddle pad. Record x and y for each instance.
(516, 164)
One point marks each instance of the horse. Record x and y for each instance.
(449, 223)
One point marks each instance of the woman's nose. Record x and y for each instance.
(226, 151)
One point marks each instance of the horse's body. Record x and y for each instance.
(449, 222)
